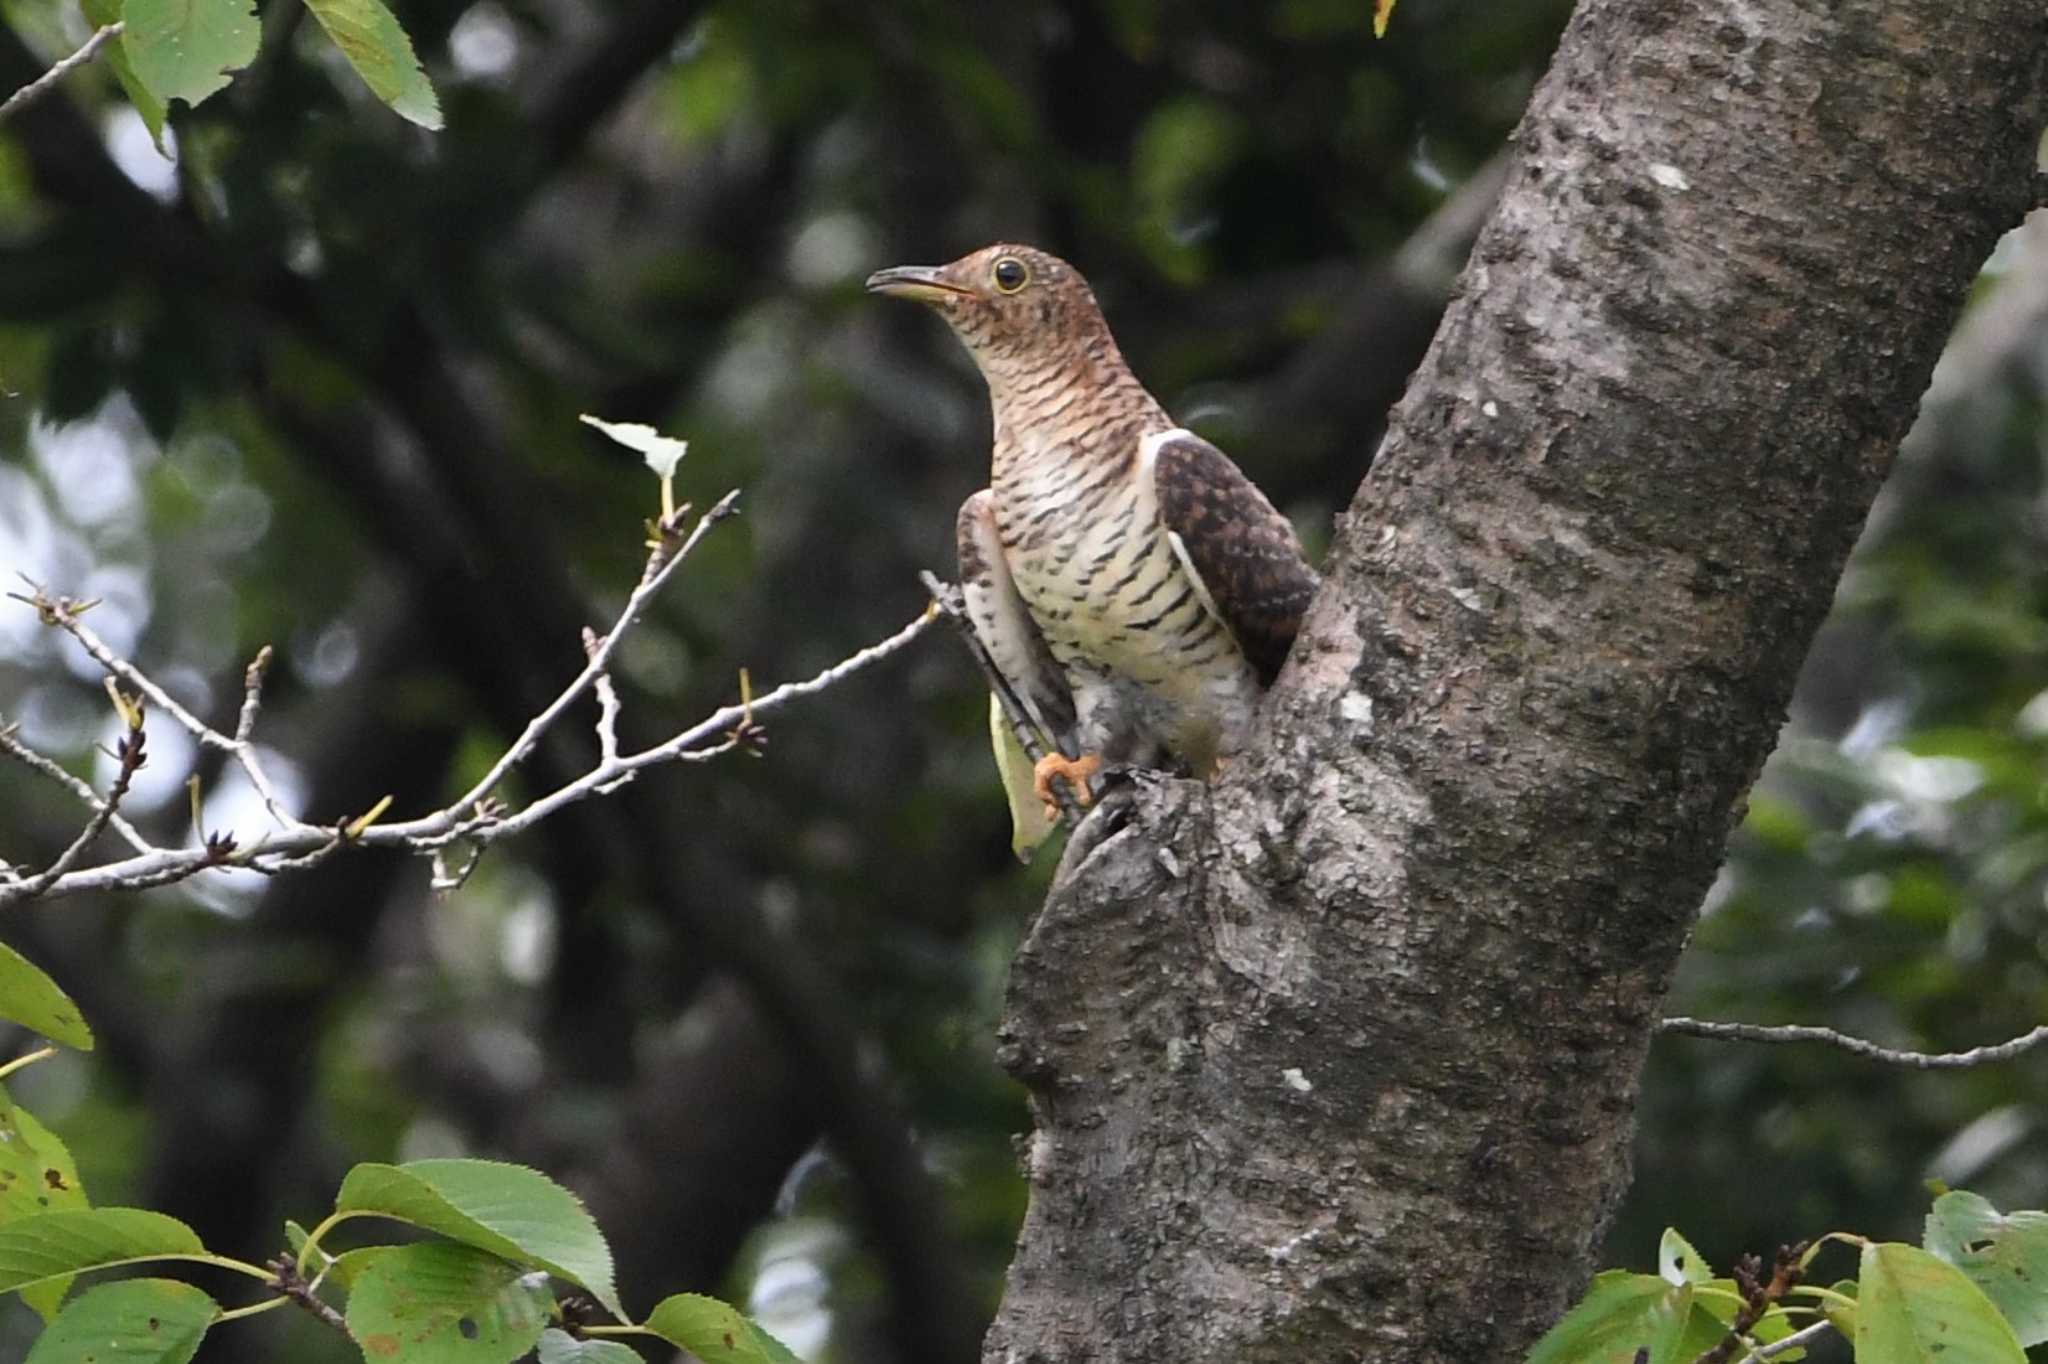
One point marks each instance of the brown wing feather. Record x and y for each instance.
(1246, 552)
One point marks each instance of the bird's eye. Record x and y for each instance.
(1010, 275)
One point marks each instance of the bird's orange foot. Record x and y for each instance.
(1075, 771)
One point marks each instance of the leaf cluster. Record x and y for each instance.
(485, 1293)
(1975, 1291)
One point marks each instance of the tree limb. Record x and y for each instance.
(1990, 1054)
(43, 84)
(474, 817)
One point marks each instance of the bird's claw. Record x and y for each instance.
(1076, 772)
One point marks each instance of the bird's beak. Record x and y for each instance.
(921, 283)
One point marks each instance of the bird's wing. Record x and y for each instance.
(1242, 553)
(1036, 681)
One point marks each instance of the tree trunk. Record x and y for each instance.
(1337, 1059)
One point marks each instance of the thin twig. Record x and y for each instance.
(1799, 1032)
(951, 603)
(607, 703)
(252, 694)
(291, 1285)
(1798, 1340)
(478, 821)
(65, 614)
(131, 757)
(692, 744)
(43, 84)
(660, 570)
(29, 758)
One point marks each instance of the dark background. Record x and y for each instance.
(315, 383)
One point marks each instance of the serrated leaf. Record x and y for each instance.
(29, 997)
(715, 1332)
(559, 1347)
(2005, 1254)
(436, 1303)
(376, 45)
(1678, 1262)
(37, 1175)
(135, 1321)
(52, 1244)
(1621, 1314)
(100, 13)
(186, 49)
(662, 453)
(1914, 1308)
(508, 1210)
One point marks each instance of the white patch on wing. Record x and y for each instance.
(1148, 464)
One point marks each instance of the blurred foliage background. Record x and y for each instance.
(312, 380)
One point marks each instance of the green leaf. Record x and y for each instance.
(559, 1347)
(2005, 1254)
(135, 1321)
(52, 1244)
(374, 42)
(1621, 1314)
(36, 1175)
(436, 1303)
(340, 1270)
(100, 13)
(1842, 1318)
(1678, 1262)
(1916, 1309)
(715, 1332)
(32, 999)
(184, 49)
(508, 1210)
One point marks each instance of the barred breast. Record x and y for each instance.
(1119, 608)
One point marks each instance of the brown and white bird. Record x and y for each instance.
(1134, 589)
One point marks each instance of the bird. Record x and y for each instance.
(1134, 591)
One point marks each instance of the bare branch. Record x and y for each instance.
(43, 84)
(1799, 1032)
(131, 757)
(694, 744)
(252, 694)
(660, 567)
(28, 757)
(476, 818)
(607, 706)
(66, 614)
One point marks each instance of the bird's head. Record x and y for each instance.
(1020, 312)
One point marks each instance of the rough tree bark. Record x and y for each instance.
(1337, 1060)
